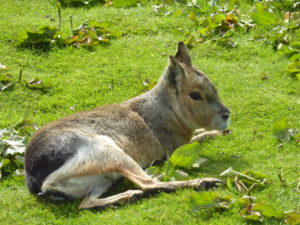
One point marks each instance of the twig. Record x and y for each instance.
(20, 76)
(71, 23)
(58, 6)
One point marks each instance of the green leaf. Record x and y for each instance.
(41, 38)
(264, 18)
(254, 217)
(153, 171)
(209, 200)
(202, 200)
(98, 24)
(186, 155)
(281, 130)
(268, 210)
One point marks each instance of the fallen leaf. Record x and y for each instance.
(268, 210)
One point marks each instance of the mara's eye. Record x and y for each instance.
(195, 96)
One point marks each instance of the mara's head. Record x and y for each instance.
(193, 97)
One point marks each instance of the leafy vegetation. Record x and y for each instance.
(91, 33)
(12, 148)
(42, 38)
(8, 83)
(249, 208)
(244, 182)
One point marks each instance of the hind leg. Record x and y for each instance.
(132, 171)
(92, 201)
(124, 165)
(102, 159)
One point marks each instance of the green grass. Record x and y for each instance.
(82, 78)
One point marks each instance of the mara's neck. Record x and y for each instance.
(155, 108)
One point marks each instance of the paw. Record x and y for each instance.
(207, 183)
(135, 195)
(226, 132)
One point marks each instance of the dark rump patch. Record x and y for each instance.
(46, 152)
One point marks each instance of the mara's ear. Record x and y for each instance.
(175, 72)
(183, 54)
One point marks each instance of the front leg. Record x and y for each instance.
(208, 134)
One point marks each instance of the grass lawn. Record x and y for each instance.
(251, 79)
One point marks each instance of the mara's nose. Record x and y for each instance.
(226, 114)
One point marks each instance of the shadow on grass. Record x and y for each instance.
(215, 165)
(67, 209)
